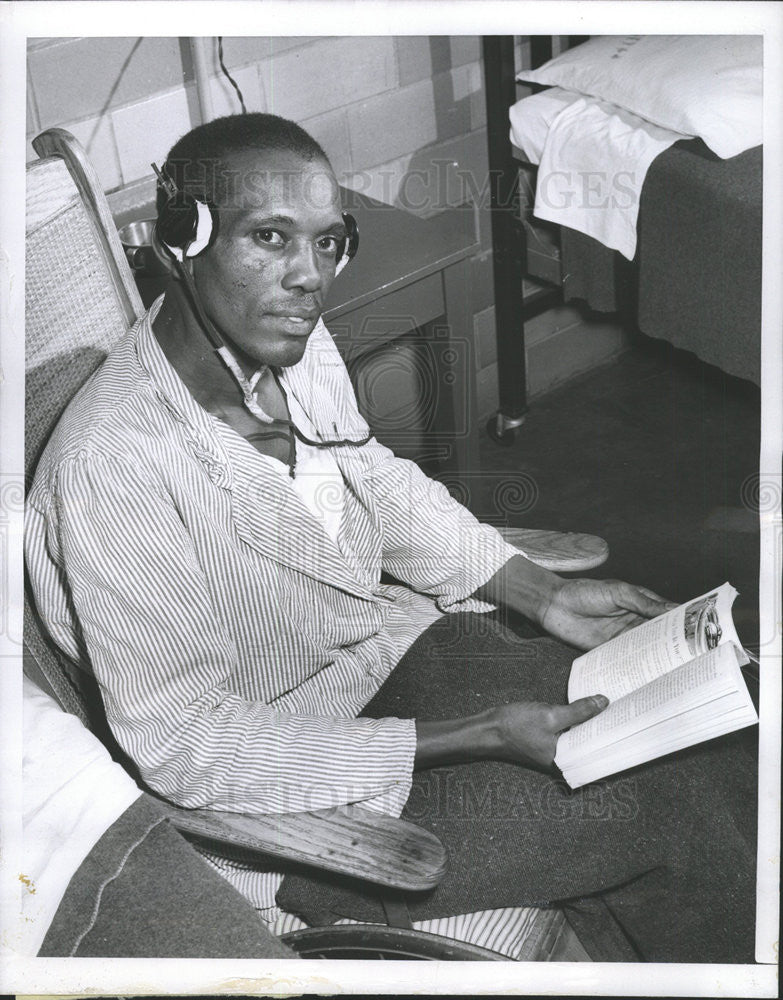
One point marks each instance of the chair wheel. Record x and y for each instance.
(505, 436)
(375, 941)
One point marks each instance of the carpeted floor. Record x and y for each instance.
(658, 454)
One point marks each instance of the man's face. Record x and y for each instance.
(264, 280)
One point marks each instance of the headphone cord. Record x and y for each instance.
(287, 428)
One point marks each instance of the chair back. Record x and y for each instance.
(80, 298)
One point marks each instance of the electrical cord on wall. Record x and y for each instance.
(228, 76)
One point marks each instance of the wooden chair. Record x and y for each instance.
(80, 299)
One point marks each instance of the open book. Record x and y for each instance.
(671, 682)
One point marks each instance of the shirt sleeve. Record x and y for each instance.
(116, 579)
(430, 541)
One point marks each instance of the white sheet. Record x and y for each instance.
(592, 163)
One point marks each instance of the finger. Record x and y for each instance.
(644, 602)
(652, 595)
(579, 711)
(669, 605)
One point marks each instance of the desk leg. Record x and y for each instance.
(461, 370)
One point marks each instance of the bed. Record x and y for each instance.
(681, 259)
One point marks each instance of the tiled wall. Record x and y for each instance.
(389, 111)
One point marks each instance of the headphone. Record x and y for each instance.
(186, 227)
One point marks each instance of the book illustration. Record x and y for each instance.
(701, 625)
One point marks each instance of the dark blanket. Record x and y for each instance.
(670, 847)
(696, 280)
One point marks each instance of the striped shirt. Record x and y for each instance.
(233, 639)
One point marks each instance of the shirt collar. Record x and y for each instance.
(314, 381)
(174, 394)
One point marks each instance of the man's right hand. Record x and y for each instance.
(524, 732)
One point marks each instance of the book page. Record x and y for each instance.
(705, 722)
(655, 647)
(668, 698)
(701, 720)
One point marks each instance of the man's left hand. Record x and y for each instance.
(586, 613)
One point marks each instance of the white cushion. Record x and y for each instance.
(699, 85)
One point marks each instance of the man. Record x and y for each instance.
(207, 531)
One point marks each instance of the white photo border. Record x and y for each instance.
(20, 20)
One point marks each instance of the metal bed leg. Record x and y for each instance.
(502, 429)
(509, 244)
(508, 247)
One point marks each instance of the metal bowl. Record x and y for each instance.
(138, 233)
(141, 248)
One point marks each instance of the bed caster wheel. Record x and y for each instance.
(503, 430)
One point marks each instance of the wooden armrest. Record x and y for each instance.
(346, 839)
(562, 552)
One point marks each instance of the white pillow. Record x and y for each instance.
(532, 117)
(700, 85)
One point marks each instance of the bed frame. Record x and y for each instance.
(711, 261)
(513, 306)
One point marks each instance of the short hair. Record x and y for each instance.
(194, 162)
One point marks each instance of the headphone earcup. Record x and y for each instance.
(177, 221)
(350, 245)
(186, 226)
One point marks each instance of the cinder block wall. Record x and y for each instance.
(372, 102)
(401, 118)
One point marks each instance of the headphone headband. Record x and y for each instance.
(186, 226)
